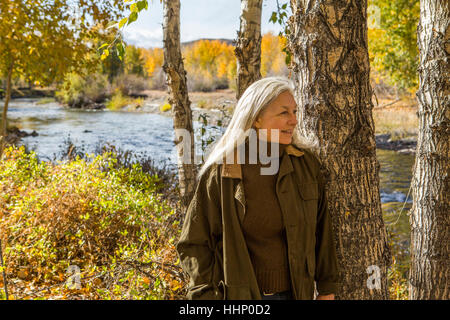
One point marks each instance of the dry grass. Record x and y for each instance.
(399, 123)
(205, 100)
(396, 116)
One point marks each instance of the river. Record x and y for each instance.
(152, 134)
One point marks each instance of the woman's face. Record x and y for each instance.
(279, 114)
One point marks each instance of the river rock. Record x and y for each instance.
(407, 145)
(15, 135)
(93, 106)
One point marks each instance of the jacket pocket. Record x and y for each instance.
(308, 191)
(309, 194)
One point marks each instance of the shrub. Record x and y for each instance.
(129, 84)
(104, 218)
(198, 81)
(158, 80)
(78, 91)
(118, 101)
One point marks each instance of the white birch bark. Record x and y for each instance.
(430, 214)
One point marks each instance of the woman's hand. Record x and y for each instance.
(325, 297)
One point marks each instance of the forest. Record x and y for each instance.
(92, 189)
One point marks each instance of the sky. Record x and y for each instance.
(198, 19)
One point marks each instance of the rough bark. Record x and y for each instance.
(4, 126)
(179, 99)
(248, 45)
(330, 64)
(430, 220)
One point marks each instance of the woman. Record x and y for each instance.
(249, 235)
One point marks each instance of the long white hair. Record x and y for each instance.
(252, 102)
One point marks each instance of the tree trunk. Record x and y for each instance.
(248, 46)
(430, 238)
(4, 127)
(179, 100)
(330, 62)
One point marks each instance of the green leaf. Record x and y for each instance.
(273, 17)
(143, 4)
(133, 17)
(288, 59)
(120, 50)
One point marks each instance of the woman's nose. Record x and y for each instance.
(293, 119)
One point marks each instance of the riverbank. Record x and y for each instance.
(20, 93)
(217, 106)
(396, 124)
(14, 135)
(406, 146)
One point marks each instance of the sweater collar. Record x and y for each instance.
(234, 170)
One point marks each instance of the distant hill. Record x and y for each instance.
(188, 43)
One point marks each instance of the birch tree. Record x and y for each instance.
(430, 233)
(248, 46)
(179, 99)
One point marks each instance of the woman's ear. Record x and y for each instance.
(257, 123)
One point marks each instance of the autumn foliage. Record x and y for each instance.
(272, 57)
(211, 64)
(393, 42)
(154, 59)
(104, 219)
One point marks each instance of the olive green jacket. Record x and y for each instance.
(212, 247)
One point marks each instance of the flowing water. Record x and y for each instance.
(152, 134)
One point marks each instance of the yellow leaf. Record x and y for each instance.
(146, 280)
(175, 285)
(105, 54)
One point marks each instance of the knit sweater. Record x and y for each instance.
(264, 229)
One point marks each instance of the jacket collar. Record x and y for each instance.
(234, 170)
